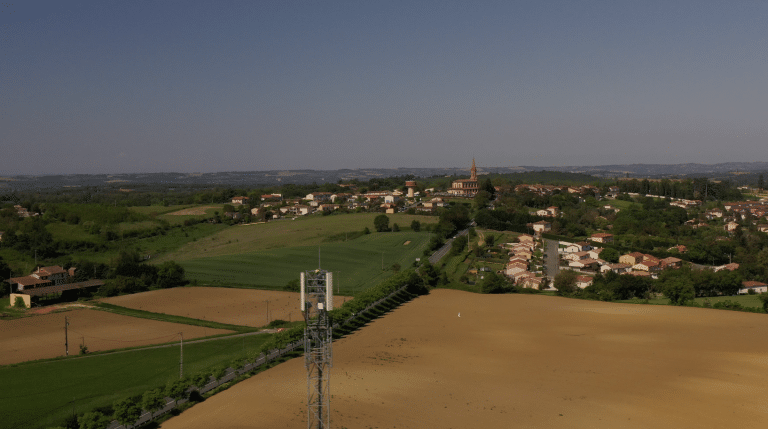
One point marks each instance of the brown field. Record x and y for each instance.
(42, 337)
(245, 307)
(522, 361)
(193, 211)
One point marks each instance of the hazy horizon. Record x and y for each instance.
(108, 87)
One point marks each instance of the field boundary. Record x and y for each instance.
(162, 317)
(235, 375)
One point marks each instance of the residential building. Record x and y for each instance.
(240, 200)
(757, 287)
(602, 237)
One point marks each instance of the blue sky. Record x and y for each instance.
(201, 86)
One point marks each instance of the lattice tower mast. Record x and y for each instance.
(316, 302)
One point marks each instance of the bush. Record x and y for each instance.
(19, 302)
(415, 226)
(764, 298)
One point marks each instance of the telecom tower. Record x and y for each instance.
(316, 301)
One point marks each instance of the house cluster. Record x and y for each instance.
(23, 212)
(518, 266)
(545, 190)
(585, 258)
(733, 213)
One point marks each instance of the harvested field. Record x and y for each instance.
(244, 307)
(42, 337)
(522, 361)
(193, 211)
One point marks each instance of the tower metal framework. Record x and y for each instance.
(316, 302)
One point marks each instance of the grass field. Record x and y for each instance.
(356, 264)
(40, 394)
(159, 210)
(744, 300)
(66, 232)
(304, 231)
(157, 245)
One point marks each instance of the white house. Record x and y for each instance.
(758, 287)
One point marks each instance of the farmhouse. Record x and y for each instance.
(757, 287)
(45, 281)
(240, 200)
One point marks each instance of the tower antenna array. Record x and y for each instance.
(316, 302)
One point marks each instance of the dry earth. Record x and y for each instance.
(245, 307)
(522, 361)
(42, 337)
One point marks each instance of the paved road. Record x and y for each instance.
(437, 256)
(553, 259)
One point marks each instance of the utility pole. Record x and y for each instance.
(181, 356)
(66, 337)
(268, 312)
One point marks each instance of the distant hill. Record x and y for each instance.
(740, 171)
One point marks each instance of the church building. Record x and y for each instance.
(466, 187)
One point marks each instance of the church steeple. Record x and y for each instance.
(473, 171)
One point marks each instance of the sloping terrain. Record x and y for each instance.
(522, 361)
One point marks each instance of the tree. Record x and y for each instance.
(492, 283)
(760, 182)
(153, 400)
(127, 411)
(395, 227)
(679, 290)
(764, 298)
(610, 255)
(170, 274)
(381, 223)
(19, 302)
(176, 389)
(366, 230)
(396, 267)
(292, 286)
(429, 273)
(481, 199)
(565, 282)
(93, 420)
(458, 245)
(415, 226)
(83, 349)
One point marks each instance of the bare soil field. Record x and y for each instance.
(244, 307)
(42, 337)
(521, 361)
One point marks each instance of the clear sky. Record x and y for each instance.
(203, 86)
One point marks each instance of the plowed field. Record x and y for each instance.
(245, 307)
(42, 337)
(522, 361)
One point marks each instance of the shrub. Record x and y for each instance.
(19, 302)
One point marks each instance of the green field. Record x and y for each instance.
(744, 300)
(356, 264)
(65, 232)
(304, 231)
(157, 245)
(40, 394)
(159, 210)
